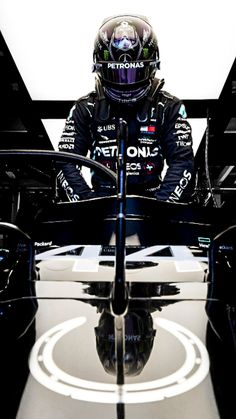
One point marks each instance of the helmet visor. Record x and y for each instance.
(125, 73)
(124, 37)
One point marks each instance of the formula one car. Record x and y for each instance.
(105, 319)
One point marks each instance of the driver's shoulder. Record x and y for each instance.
(166, 98)
(87, 100)
(86, 103)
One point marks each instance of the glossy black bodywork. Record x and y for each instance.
(204, 303)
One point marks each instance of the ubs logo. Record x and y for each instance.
(110, 127)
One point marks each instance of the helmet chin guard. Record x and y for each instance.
(127, 96)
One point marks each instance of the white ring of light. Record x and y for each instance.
(172, 385)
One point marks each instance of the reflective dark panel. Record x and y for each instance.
(66, 354)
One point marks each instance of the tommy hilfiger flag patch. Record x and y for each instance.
(150, 129)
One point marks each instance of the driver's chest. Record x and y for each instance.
(142, 138)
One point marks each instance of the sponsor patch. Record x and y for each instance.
(150, 129)
(182, 111)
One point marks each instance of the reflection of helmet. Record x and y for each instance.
(126, 53)
(139, 336)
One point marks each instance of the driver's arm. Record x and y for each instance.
(76, 138)
(177, 185)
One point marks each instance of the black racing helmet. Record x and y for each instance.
(139, 338)
(126, 52)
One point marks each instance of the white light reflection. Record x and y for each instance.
(193, 371)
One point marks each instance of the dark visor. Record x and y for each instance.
(125, 72)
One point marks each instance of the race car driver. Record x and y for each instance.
(125, 60)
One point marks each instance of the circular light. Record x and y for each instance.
(192, 372)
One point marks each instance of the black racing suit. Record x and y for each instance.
(164, 137)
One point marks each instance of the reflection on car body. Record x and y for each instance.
(56, 300)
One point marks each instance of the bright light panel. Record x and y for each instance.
(52, 43)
